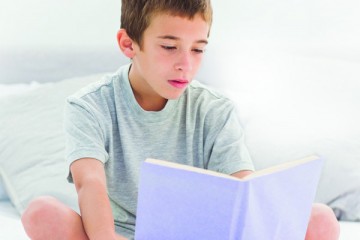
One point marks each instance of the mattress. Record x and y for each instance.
(11, 228)
(10, 224)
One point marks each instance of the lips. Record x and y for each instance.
(179, 83)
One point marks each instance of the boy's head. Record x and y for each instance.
(136, 15)
(165, 40)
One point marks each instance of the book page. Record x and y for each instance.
(189, 168)
(281, 167)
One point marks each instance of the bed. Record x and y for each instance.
(298, 104)
(11, 228)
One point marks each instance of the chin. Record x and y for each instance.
(174, 96)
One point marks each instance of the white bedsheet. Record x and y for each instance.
(10, 224)
(11, 228)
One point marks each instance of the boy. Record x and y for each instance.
(149, 108)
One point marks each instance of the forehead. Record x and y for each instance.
(162, 24)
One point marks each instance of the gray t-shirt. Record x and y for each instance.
(105, 122)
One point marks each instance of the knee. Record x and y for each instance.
(323, 223)
(39, 211)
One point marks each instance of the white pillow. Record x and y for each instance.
(295, 104)
(3, 193)
(7, 90)
(16, 89)
(32, 143)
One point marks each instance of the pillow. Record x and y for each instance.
(32, 143)
(296, 104)
(6, 90)
(3, 193)
(15, 89)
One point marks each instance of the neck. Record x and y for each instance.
(144, 95)
(150, 103)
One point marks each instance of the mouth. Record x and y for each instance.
(179, 83)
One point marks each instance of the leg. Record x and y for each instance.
(47, 218)
(323, 224)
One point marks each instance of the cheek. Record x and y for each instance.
(164, 58)
(197, 62)
(155, 62)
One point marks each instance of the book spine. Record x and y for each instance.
(239, 212)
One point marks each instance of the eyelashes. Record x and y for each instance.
(197, 50)
(168, 48)
(173, 48)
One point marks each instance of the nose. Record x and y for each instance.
(184, 62)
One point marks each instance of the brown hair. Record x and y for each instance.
(136, 14)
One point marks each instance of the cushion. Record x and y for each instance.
(296, 103)
(3, 193)
(6, 90)
(32, 143)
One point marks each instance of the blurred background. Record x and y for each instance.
(45, 23)
(47, 30)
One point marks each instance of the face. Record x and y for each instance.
(171, 53)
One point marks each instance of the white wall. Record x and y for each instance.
(59, 22)
(334, 21)
(95, 22)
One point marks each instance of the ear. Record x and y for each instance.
(125, 43)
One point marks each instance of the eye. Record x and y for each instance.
(198, 50)
(169, 48)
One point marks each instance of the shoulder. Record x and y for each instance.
(208, 96)
(95, 88)
(99, 91)
(208, 106)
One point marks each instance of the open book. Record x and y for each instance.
(178, 202)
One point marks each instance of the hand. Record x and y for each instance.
(112, 236)
(119, 237)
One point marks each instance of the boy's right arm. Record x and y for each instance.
(90, 181)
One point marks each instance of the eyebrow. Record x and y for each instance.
(177, 38)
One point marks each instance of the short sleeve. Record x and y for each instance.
(227, 150)
(84, 132)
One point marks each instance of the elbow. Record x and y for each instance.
(89, 182)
